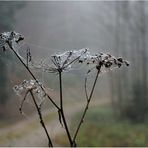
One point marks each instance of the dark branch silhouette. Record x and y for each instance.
(41, 118)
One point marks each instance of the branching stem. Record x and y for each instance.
(22, 102)
(33, 76)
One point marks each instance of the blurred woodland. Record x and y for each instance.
(118, 27)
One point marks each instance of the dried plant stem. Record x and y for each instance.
(87, 105)
(41, 119)
(61, 95)
(33, 76)
(62, 111)
(22, 102)
(85, 87)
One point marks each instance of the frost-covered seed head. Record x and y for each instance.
(10, 38)
(31, 85)
(63, 61)
(103, 61)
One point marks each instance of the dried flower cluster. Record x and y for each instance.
(9, 37)
(61, 61)
(30, 85)
(104, 61)
(66, 61)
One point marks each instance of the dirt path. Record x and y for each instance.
(30, 133)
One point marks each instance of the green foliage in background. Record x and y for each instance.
(103, 129)
(136, 109)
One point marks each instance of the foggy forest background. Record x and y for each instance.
(116, 27)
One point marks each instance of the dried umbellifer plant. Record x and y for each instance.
(37, 94)
(61, 62)
(99, 63)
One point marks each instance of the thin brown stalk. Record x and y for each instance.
(85, 86)
(33, 76)
(22, 102)
(87, 105)
(41, 119)
(62, 111)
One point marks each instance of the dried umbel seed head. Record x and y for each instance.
(104, 62)
(9, 38)
(62, 61)
(108, 60)
(17, 37)
(30, 85)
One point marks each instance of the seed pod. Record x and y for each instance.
(120, 59)
(108, 64)
(80, 61)
(119, 65)
(126, 63)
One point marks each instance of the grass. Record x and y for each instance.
(102, 129)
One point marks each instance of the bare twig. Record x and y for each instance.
(22, 102)
(41, 119)
(85, 86)
(87, 105)
(28, 56)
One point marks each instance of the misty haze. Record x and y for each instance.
(118, 110)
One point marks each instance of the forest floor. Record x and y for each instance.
(29, 132)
